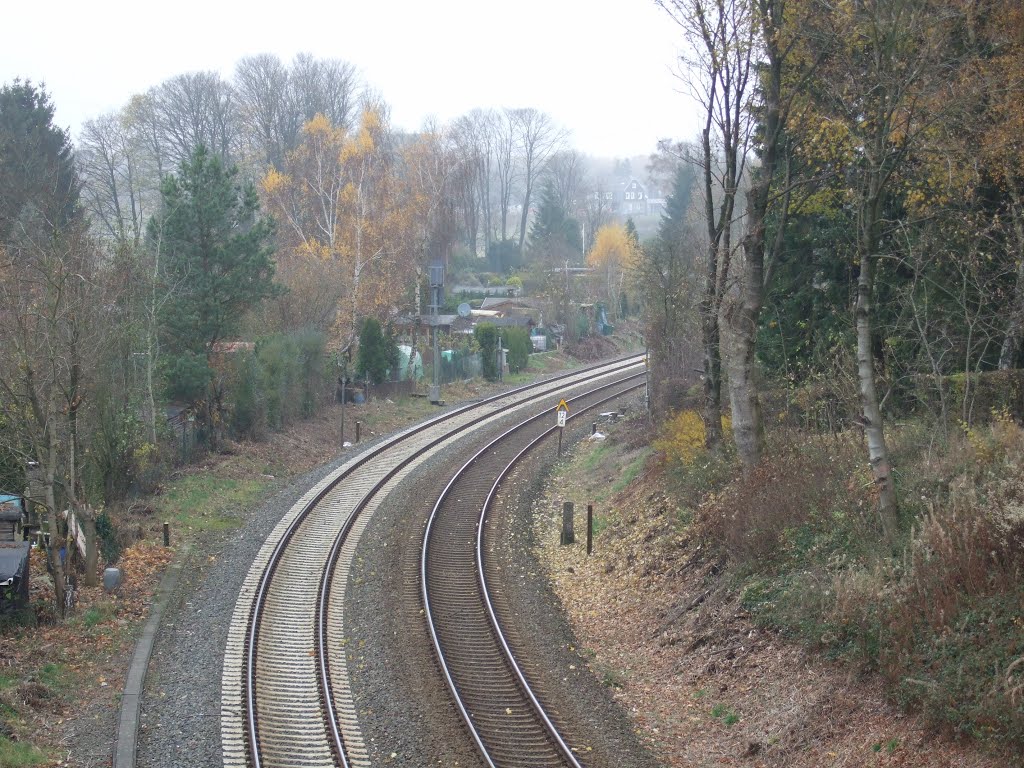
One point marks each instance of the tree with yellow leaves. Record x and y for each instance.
(882, 77)
(613, 255)
(336, 200)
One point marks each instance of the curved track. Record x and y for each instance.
(508, 721)
(285, 697)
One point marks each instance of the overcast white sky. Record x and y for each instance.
(604, 69)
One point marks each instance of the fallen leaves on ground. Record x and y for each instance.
(704, 684)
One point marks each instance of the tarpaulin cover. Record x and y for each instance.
(13, 560)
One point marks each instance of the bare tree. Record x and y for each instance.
(195, 109)
(143, 121)
(110, 165)
(595, 209)
(505, 169)
(720, 35)
(266, 123)
(538, 138)
(567, 175)
(48, 291)
(327, 87)
(472, 138)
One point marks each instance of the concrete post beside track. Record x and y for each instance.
(568, 536)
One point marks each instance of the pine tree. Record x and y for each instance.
(377, 352)
(632, 234)
(552, 229)
(38, 182)
(218, 260)
(673, 222)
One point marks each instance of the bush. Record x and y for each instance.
(277, 380)
(106, 533)
(377, 352)
(940, 620)
(486, 335)
(519, 347)
(282, 381)
(116, 444)
(791, 509)
(682, 437)
(311, 353)
(247, 414)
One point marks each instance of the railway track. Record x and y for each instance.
(285, 695)
(505, 714)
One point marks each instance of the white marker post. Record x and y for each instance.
(561, 413)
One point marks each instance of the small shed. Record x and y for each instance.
(12, 511)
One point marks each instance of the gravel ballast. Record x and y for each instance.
(180, 724)
(404, 709)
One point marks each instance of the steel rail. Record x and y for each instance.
(495, 623)
(431, 623)
(258, 604)
(335, 553)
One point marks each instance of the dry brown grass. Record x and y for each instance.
(705, 683)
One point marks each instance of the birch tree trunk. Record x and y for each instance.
(874, 433)
(87, 520)
(747, 423)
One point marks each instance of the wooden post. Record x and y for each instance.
(568, 536)
(559, 442)
(342, 410)
(357, 431)
(167, 534)
(590, 528)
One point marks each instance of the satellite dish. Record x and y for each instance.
(464, 309)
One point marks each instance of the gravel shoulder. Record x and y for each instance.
(180, 723)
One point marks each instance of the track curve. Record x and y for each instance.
(508, 722)
(285, 697)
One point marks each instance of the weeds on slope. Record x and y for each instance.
(938, 613)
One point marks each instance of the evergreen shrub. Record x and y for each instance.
(486, 335)
(517, 341)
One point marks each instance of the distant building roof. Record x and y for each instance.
(506, 301)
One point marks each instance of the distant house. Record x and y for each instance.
(628, 198)
(634, 199)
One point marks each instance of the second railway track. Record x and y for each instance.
(510, 723)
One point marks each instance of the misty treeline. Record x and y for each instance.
(360, 208)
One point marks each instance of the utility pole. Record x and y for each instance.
(436, 286)
(343, 360)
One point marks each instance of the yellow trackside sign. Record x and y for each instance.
(562, 406)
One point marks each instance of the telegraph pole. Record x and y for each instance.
(436, 286)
